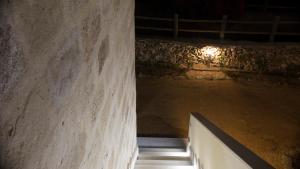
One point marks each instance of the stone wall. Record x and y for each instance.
(67, 84)
(281, 59)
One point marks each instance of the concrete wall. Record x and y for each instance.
(67, 84)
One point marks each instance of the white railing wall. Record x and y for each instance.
(214, 149)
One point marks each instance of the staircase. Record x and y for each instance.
(163, 153)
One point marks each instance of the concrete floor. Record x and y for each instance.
(263, 116)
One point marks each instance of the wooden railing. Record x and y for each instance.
(274, 24)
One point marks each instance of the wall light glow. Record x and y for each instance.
(211, 51)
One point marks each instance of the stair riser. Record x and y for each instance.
(159, 149)
(163, 162)
(164, 158)
(164, 167)
(163, 153)
(161, 142)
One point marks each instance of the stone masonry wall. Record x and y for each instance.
(67, 84)
(258, 58)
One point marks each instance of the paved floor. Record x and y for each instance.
(263, 116)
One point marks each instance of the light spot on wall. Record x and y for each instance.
(211, 51)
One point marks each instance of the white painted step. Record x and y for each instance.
(162, 167)
(165, 162)
(158, 149)
(164, 158)
(161, 142)
(164, 154)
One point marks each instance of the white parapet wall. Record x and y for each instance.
(214, 149)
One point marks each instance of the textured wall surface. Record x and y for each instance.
(67, 84)
(260, 58)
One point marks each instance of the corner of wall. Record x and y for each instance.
(133, 158)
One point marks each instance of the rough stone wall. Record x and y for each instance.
(260, 58)
(67, 84)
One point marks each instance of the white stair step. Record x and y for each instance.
(162, 149)
(164, 158)
(163, 154)
(161, 142)
(162, 167)
(165, 162)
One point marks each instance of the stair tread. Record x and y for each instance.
(159, 149)
(163, 167)
(163, 153)
(164, 162)
(163, 158)
(161, 142)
